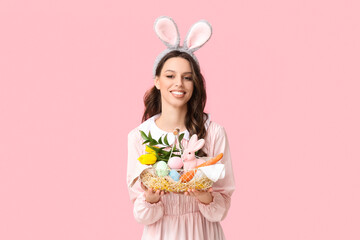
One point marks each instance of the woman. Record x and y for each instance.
(177, 100)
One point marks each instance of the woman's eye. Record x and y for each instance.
(188, 78)
(170, 76)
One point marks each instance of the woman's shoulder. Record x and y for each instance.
(133, 131)
(215, 138)
(215, 127)
(144, 126)
(134, 135)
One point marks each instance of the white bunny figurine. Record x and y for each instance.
(188, 155)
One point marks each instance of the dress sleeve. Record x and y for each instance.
(217, 210)
(144, 212)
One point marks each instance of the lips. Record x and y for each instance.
(178, 93)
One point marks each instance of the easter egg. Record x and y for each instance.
(174, 175)
(175, 163)
(161, 169)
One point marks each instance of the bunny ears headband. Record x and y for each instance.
(166, 29)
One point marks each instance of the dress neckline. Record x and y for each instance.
(161, 130)
(156, 132)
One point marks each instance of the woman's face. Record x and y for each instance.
(175, 82)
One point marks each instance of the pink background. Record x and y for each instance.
(282, 78)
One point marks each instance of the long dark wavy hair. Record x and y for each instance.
(195, 117)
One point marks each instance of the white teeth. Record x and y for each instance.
(178, 93)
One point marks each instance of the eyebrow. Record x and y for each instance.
(174, 71)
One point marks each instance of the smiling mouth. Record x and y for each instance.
(177, 93)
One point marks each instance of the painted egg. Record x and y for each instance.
(161, 169)
(175, 163)
(174, 175)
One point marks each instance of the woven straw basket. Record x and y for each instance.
(150, 179)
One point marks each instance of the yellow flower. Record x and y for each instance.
(147, 158)
(149, 150)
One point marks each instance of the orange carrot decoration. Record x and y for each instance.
(186, 177)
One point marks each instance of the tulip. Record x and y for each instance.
(149, 150)
(147, 159)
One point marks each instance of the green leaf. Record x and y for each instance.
(154, 148)
(146, 141)
(181, 137)
(166, 141)
(143, 135)
(160, 141)
(150, 135)
(166, 154)
(153, 142)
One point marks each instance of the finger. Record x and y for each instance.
(191, 192)
(157, 192)
(198, 193)
(150, 190)
(210, 189)
(143, 187)
(200, 190)
(195, 192)
(162, 193)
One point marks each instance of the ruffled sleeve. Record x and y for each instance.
(144, 212)
(222, 189)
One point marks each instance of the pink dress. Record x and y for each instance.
(177, 216)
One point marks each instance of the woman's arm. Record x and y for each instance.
(222, 189)
(144, 212)
(147, 213)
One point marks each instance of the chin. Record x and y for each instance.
(179, 105)
(176, 103)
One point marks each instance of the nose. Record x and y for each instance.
(178, 80)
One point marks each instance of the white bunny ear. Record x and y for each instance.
(166, 29)
(199, 144)
(198, 35)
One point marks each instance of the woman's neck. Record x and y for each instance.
(172, 118)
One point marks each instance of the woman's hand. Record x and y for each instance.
(150, 195)
(204, 197)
